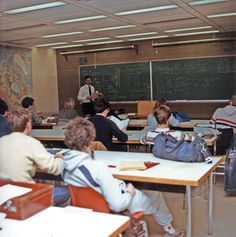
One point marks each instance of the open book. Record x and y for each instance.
(122, 124)
(132, 165)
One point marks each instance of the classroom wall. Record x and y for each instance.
(68, 76)
(44, 80)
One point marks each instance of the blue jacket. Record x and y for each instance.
(4, 126)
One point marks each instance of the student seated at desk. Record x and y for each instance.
(162, 115)
(152, 121)
(80, 168)
(21, 155)
(226, 117)
(4, 126)
(68, 112)
(28, 104)
(105, 128)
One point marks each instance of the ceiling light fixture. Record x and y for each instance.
(201, 2)
(144, 10)
(50, 44)
(88, 40)
(148, 38)
(222, 15)
(89, 18)
(139, 34)
(62, 34)
(198, 33)
(68, 46)
(35, 7)
(112, 28)
(105, 42)
(186, 29)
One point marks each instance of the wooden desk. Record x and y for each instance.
(61, 222)
(167, 172)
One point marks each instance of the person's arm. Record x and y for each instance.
(173, 121)
(151, 121)
(148, 137)
(116, 132)
(44, 160)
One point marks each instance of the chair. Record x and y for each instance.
(87, 197)
(97, 145)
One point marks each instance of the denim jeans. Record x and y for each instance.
(61, 196)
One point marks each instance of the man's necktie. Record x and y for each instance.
(90, 90)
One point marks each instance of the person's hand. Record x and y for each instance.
(130, 189)
(59, 156)
(88, 97)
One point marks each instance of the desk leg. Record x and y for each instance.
(210, 205)
(189, 211)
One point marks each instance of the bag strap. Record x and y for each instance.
(170, 138)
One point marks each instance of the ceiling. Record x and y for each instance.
(28, 29)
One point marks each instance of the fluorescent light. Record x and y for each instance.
(105, 42)
(147, 38)
(201, 2)
(99, 50)
(139, 34)
(68, 46)
(112, 28)
(88, 40)
(222, 15)
(62, 34)
(51, 44)
(198, 33)
(35, 7)
(89, 18)
(186, 29)
(152, 9)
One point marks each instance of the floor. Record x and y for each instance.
(224, 215)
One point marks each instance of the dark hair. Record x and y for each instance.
(18, 120)
(79, 132)
(26, 102)
(87, 77)
(100, 104)
(162, 114)
(3, 107)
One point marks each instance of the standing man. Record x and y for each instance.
(85, 96)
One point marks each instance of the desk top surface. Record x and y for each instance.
(60, 222)
(167, 172)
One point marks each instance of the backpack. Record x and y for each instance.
(230, 167)
(167, 147)
(182, 117)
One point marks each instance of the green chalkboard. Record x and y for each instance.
(120, 82)
(195, 79)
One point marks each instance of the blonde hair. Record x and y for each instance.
(69, 103)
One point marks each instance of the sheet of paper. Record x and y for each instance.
(122, 124)
(10, 191)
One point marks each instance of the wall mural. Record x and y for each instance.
(15, 75)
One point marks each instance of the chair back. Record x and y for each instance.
(223, 143)
(87, 197)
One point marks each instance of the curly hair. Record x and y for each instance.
(18, 120)
(79, 132)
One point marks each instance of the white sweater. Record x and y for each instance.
(22, 155)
